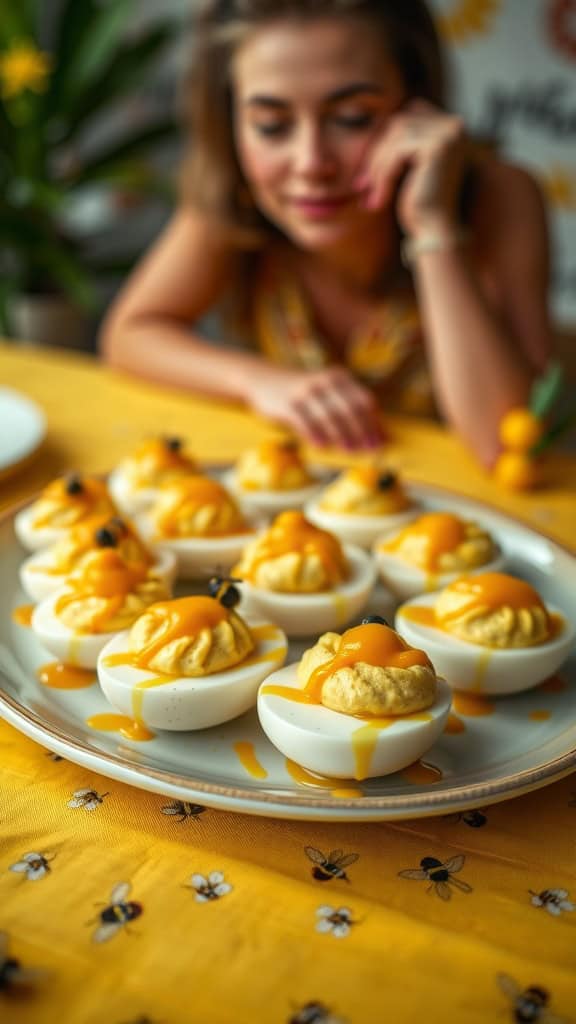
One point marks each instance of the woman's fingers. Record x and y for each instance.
(339, 412)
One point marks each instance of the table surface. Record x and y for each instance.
(224, 921)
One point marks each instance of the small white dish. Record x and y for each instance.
(485, 670)
(185, 704)
(22, 428)
(358, 529)
(307, 614)
(39, 578)
(343, 746)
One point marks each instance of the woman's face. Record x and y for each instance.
(310, 99)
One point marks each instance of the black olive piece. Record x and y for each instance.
(106, 538)
(74, 485)
(386, 481)
(173, 444)
(375, 619)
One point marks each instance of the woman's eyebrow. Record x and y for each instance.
(344, 93)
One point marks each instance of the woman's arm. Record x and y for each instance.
(150, 331)
(484, 311)
(488, 334)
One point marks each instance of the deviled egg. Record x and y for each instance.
(46, 571)
(64, 503)
(272, 477)
(135, 482)
(432, 551)
(362, 503)
(200, 522)
(303, 578)
(190, 663)
(489, 633)
(103, 596)
(357, 705)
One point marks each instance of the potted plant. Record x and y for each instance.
(57, 81)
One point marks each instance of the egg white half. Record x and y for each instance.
(38, 581)
(69, 646)
(405, 580)
(185, 704)
(129, 499)
(34, 538)
(197, 557)
(269, 503)
(358, 529)
(307, 614)
(485, 670)
(328, 742)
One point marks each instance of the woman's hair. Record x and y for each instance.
(212, 178)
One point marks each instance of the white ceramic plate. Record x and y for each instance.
(527, 741)
(22, 428)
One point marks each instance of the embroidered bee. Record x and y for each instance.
(337, 920)
(475, 819)
(89, 799)
(529, 1004)
(117, 914)
(34, 865)
(330, 866)
(12, 975)
(209, 889)
(554, 900)
(315, 1013)
(440, 875)
(181, 809)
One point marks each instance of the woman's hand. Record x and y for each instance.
(426, 148)
(325, 407)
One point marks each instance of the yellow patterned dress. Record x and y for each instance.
(386, 352)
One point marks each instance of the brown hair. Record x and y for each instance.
(211, 177)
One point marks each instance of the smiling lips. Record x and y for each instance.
(320, 207)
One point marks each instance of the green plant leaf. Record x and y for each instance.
(546, 390)
(16, 22)
(128, 68)
(119, 154)
(87, 44)
(67, 270)
(564, 425)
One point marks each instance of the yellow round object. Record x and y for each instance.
(520, 429)
(516, 470)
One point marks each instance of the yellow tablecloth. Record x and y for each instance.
(273, 943)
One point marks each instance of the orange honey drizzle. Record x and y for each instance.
(422, 772)
(437, 533)
(290, 532)
(58, 676)
(191, 494)
(246, 755)
(368, 477)
(365, 738)
(23, 614)
(279, 456)
(471, 705)
(92, 497)
(308, 778)
(127, 727)
(186, 616)
(162, 455)
(494, 590)
(454, 725)
(372, 644)
(105, 576)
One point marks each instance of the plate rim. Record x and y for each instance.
(256, 801)
(41, 429)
